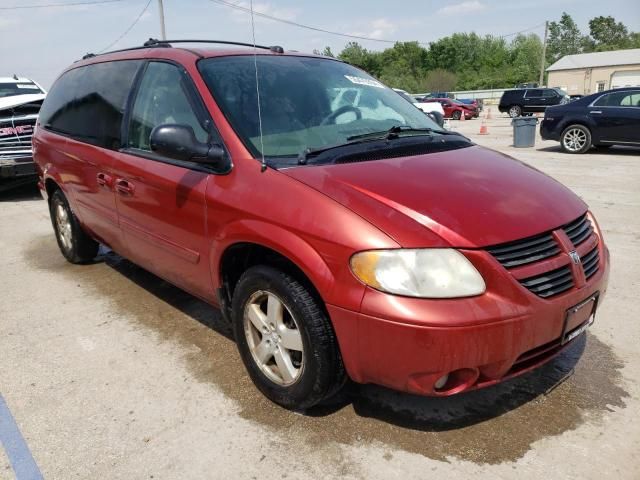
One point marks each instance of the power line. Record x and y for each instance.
(128, 29)
(522, 31)
(340, 34)
(308, 27)
(48, 5)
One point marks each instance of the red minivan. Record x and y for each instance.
(340, 240)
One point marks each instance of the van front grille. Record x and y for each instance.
(534, 249)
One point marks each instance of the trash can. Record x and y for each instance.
(524, 131)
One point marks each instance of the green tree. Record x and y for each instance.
(440, 80)
(326, 52)
(607, 34)
(565, 38)
(357, 55)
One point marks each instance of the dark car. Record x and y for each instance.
(601, 120)
(530, 100)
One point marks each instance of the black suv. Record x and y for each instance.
(530, 100)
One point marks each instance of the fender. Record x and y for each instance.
(283, 241)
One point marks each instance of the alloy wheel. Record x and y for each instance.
(274, 339)
(514, 111)
(574, 139)
(63, 223)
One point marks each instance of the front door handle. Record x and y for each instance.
(104, 180)
(124, 187)
(595, 111)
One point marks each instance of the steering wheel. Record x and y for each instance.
(331, 118)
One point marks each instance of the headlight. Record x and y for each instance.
(426, 273)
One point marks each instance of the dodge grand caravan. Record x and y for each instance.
(339, 242)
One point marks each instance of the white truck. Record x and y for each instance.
(20, 101)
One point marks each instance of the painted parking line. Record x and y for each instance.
(16, 449)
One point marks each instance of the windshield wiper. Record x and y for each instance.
(394, 132)
(304, 155)
(390, 134)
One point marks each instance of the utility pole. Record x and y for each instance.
(544, 52)
(163, 34)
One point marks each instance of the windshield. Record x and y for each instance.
(562, 92)
(305, 102)
(20, 88)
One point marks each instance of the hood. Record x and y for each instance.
(469, 197)
(15, 100)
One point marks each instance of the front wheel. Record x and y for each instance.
(74, 243)
(285, 339)
(456, 115)
(575, 139)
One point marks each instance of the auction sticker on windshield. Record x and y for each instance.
(364, 81)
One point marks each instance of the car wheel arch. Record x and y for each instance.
(271, 245)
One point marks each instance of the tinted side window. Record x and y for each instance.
(617, 99)
(549, 93)
(88, 103)
(534, 93)
(632, 99)
(162, 98)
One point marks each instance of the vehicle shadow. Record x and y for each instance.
(18, 193)
(614, 150)
(396, 408)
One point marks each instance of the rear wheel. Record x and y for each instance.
(285, 339)
(515, 111)
(456, 115)
(74, 243)
(575, 139)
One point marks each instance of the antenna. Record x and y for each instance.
(263, 166)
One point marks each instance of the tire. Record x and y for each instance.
(575, 139)
(515, 111)
(74, 243)
(437, 117)
(293, 378)
(456, 115)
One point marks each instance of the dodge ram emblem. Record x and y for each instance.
(574, 257)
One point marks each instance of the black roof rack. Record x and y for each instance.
(155, 43)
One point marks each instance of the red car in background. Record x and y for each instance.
(350, 238)
(454, 109)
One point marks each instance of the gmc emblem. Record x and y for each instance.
(19, 130)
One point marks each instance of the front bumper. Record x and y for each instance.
(407, 344)
(17, 167)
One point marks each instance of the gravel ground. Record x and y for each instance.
(110, 372)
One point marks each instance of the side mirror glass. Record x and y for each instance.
(180, 143)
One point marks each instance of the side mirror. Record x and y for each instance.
(180, 143)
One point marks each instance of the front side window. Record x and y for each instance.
(305, 102)
(163, 98)
(550, 93)
(87, 103)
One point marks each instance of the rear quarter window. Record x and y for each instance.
(88, 103)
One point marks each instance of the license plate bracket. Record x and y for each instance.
(579, 317)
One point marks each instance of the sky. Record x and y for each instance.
(39, 43)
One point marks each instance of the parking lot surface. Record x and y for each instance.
(110, 372)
